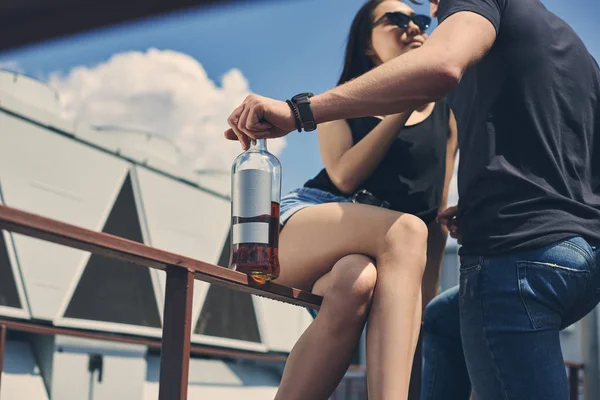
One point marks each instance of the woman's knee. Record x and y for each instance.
(407, 237)
(352, 284)
(407, 228)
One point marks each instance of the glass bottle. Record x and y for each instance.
(255, 196)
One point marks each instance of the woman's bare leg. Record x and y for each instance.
(395, 318)
(316, 238)
(323, 353)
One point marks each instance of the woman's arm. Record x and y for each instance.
(438, 232)
(451, 151)
(349, 164)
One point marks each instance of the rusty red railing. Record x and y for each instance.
(181, 271)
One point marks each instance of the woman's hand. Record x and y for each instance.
(449, 217)
(258, 118)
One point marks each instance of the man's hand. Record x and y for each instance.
(449, 217)
(259, 117)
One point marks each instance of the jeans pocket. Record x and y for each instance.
(550, 292)
(470, 264)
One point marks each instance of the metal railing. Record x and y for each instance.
(181, 271)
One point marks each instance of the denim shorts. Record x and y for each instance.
(304, 197)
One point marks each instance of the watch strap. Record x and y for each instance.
(302, 103)
(296, 115)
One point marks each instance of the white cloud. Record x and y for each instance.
(161, 91)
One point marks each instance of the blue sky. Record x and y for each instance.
(259, 39)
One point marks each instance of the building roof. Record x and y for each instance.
(35, 101)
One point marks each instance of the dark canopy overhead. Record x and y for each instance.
(24, 22)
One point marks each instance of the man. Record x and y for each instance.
(526, 96)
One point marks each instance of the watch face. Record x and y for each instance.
(301, 95)
(310, 126)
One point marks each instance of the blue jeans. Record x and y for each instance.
(508, 311)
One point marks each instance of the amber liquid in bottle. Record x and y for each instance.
(259, 260)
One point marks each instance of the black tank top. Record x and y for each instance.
(411, 175)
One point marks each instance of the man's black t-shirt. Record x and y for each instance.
(529, 132)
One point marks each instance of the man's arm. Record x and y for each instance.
(420, 76)
(405, 83)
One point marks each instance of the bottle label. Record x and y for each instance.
(252, 193)
(251, 206)
(250, 232)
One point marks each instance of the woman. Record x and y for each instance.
(339, 249)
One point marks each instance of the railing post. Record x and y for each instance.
(175, 348)
(573, 382)
(2, 350)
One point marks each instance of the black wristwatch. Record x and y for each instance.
(302, 103)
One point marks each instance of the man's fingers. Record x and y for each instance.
(252, 122)
(444, 220)
(241, 125)
(235, 115)
(243, 139)
(251, 126)
(260, 127)
(233, 122)
(230, 134)
(448, 213)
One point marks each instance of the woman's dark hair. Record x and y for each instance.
(356, 60)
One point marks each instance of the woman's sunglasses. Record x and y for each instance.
(402, 20)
